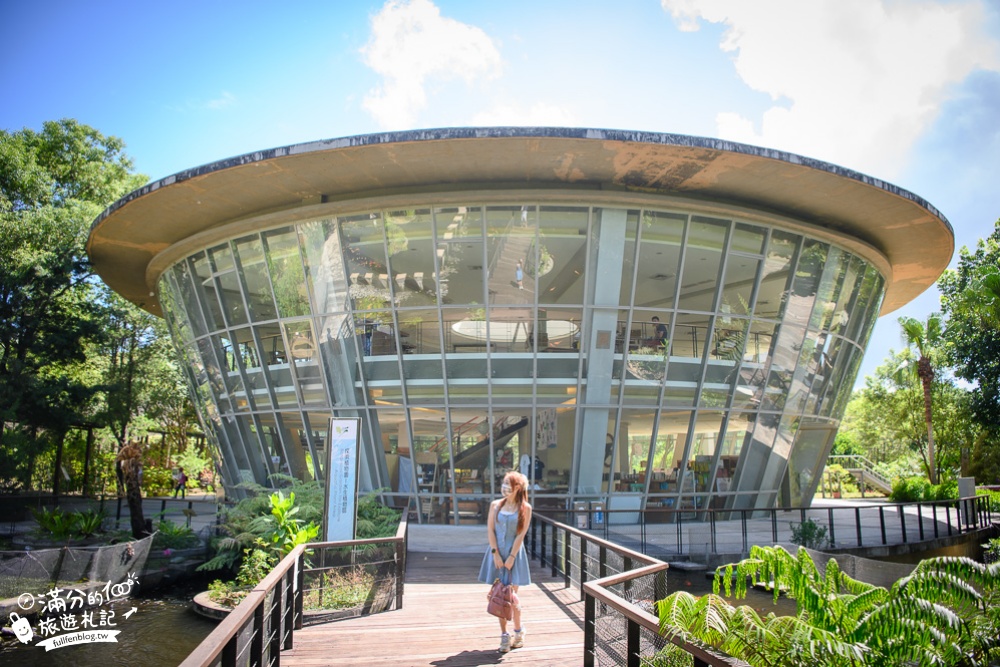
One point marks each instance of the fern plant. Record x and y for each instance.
(944, 613)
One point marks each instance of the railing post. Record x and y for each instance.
(274, 643)
(902, 521)
(257, 634)
(567, 559)
(920, 520)
(583, 564)
(774, 525)
(542, 557)
(829, 518)
(300, 594)
(228, 657)
(881, 522)
(857, 523)
(633, 658)
(589, 620)
(934, 515)
(400, 572)
(627, 585)
(743, 521)
(554, 557)
(711, 530)
(534, 529)
(947, 516)
(288, 611)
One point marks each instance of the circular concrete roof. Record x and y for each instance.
(915, 239)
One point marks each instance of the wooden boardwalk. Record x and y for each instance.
(443, 623)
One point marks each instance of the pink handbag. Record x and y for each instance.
(501, 600)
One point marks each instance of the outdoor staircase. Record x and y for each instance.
(862, 469)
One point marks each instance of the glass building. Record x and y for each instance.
(648, 320)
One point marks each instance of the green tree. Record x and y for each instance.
(52, 185)
(926, 338)
(885, 420)
(970, 297)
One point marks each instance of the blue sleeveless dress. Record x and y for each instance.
(506, 533)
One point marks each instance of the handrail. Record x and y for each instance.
(847, 527)
(599, 590)
(867, 465)
(284, 615)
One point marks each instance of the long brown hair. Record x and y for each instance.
(518, 494)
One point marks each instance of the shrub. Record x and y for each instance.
(257, 564)
(63, 525)
(89, 522)
(991, 551)
(909, 490)
(57, 523)
(809, 534)
(994, 498)
(251, 519)
(170, 535)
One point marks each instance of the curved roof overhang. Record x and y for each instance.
(914, 240)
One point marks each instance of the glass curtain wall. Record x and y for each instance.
(642, 357)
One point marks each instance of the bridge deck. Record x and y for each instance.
(443, 623)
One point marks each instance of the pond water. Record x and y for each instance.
(161, 633)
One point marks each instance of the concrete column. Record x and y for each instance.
(600, 344)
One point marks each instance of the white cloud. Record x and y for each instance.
(855, 82)
(410, 43)
(540, 114)
(224, 100)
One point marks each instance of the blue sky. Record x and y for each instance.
(904, 90)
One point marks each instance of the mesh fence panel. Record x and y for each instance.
(349, 581)
(26, 571)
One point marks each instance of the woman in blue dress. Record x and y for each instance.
(506, 557)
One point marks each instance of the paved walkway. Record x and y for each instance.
(443, 622)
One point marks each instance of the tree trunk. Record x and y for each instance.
(926, 376)
(133, 494)
(57, 474)
(86, 461)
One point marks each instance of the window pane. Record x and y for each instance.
(250, 252)
(559, 258)
(702, 257)
(659, 259)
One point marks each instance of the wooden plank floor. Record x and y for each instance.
(443, 623)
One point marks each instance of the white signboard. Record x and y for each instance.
(341, 479)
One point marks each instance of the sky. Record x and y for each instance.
(907, 91)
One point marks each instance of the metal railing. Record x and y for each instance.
(619, 588)
(263, 625)
(668, 533)
(865, 469)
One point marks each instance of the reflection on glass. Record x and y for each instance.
(776, 275)
(367, 310)
(702, 258)
(251, 257)
(287, 276)
(558, 258)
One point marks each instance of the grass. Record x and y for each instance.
(343, 588)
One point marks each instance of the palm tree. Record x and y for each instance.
(925, 337)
